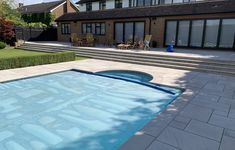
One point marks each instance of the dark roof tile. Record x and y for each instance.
(39, 8)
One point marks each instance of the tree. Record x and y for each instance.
(7, 33)
(9, 13)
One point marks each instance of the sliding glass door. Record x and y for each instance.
(128, 31)
(202, 33)
(196, 33)
(171, 28)
(119, 32)
(211, 34)
(227, 33)
(183, 33)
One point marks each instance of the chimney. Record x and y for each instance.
(21, 5)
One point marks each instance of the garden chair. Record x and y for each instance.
(74, 39)
(89, 39)
(147, 40)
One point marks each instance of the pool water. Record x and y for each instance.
(128, 74)
(74, 110)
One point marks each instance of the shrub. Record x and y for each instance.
(18, 62)
(2, 45)
(7, 33)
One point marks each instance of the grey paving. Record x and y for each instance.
(142, 139)
(228, 143)
(186, 141)
(222, 122)
(156, 145)
(205, 130)
(197, 112)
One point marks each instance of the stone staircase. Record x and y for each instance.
(176, 62)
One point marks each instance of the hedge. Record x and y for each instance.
(17, 62)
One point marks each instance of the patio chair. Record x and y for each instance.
(74, 39)
(147, 40)
(89, 39)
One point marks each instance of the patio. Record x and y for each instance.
(202, 118)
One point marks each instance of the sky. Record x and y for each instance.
(28, 2)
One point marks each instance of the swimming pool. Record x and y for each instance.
(75, 110)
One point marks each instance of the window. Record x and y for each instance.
(171, 32)
(102, 5)
(196, 33)
(65, 28)
(183, 33)
(140, 3)
(89, 6)
(227, 33)
(94, 28)
(130, 3)
(118, 3)
(212, 28)
(125, 31)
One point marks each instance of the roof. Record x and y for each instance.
(41, 7)
(86, 1)
(208, 7)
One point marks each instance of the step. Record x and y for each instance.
(202, 65)
(228, 63)
(168, 66)
(160, 61)
(138, 54)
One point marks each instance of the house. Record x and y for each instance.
(183, 23)
(39, 12)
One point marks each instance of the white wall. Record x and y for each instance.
(82, 7)
(125, 3)
(95, 6)
(109, 4)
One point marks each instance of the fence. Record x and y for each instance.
(36, 34)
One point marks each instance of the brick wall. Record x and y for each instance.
(157, 27)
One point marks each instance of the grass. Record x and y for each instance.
(11, 52)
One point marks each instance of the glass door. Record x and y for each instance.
(119, 33)
(211, 34)
(129, 31)
(196, 33)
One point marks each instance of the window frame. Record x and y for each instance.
(88, 26)
(90, 6)
(102, 5)
(65, 28)
(118, 4)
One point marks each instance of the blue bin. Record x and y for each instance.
(170, 48)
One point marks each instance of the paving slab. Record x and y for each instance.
(140, 141)
(228, 143)
(186, 141)
(156, 145)
(205, 130)
(223, 122)
(196, 112)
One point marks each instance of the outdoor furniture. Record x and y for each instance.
(89, 39)
(74, 39)
(147, 40)
(127, 45)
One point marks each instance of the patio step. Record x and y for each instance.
(185, 63)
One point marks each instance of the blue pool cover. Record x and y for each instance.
(75, 110)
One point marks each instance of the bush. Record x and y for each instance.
(2, 45)
(18, 62)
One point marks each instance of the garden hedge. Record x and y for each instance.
(17, 62)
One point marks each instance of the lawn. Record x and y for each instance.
(11, 52)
